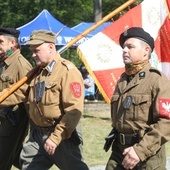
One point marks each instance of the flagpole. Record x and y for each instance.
(18, 84)
(106, 18)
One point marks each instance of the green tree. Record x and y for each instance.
(70, 12)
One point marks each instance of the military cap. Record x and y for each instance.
(41, 36)
(9, 32)
(136, 32)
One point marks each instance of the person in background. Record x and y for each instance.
(140, 111)
(89, 85)
(55, 97)
(14, 117)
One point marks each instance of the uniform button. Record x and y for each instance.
(7, 78)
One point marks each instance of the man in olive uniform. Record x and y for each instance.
(139, 108)
(13, 118)
(55, 99)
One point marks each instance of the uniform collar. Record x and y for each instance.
(50, 66)
(138, 78)
(12, 57)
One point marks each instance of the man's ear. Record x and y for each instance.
(12, 42)
(146, 52)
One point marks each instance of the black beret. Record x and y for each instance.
(9, 32)
(136, 32)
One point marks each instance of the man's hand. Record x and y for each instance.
(131, 159)
(50, 146)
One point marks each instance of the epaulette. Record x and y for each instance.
(67, 63)
(152, 69)
(123, 74)
(23, 64)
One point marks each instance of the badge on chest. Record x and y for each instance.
(127, 102)
(40, 88)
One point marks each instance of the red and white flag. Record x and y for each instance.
(102, 54)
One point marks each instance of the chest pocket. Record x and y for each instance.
(51, 93)
(139, 109)
(5, 81)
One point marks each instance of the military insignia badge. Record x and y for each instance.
(40, 88)
(32, 37)
(127, 102)
(164, 107)
(142, 74)
(125, 33)
(75, 89)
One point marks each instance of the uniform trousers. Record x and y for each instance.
(156, 162)
(66, 157)
(12, 138)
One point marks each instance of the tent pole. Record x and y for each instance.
(104, 19)
(18, 84)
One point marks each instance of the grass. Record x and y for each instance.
(167, 148)
(96, 125)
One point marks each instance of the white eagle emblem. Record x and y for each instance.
(166, 106)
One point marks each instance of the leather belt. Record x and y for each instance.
(127, 139)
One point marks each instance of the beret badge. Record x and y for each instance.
(139, 33)
(32, 37)
(125, 33)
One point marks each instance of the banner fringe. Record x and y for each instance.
(93, 76)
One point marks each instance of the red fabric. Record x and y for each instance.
(139, 16)
(164, 107)
(76, 89)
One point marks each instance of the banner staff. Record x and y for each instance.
(15, 86)
(104, 19)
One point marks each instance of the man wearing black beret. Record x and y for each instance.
(13, 119)
(139, 108)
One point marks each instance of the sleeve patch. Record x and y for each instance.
(76, 89)
(164, 107)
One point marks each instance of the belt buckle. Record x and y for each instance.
(122, 138)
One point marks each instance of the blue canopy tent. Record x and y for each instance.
(46, 21)
(85, 25)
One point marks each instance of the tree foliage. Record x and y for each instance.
(69, 12)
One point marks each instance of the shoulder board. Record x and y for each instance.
(23, 61)
(123, 74)
(152, 69)
(67, 63)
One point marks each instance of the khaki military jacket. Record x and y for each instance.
(143, 104)
(61, 102)
(12, 70)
